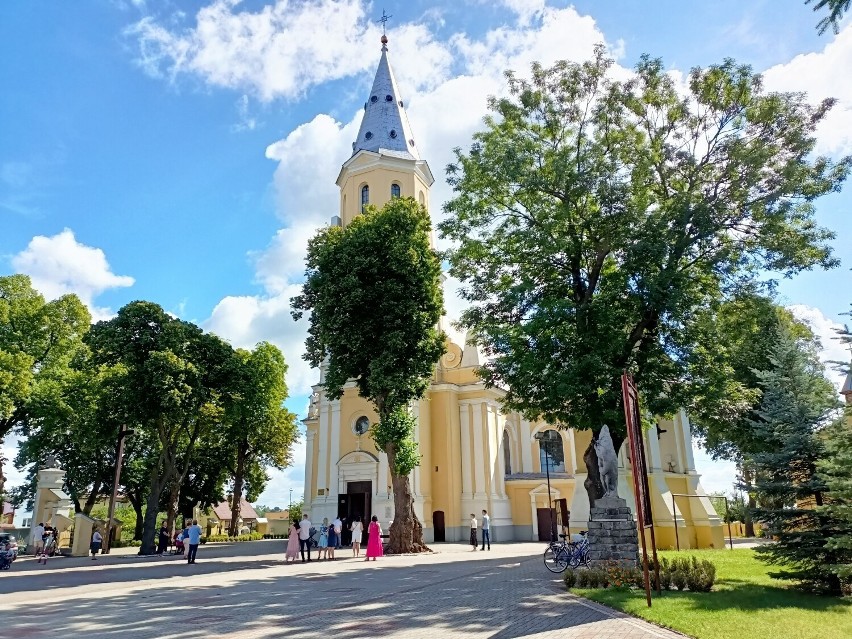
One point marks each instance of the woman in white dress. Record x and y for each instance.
(357, 528)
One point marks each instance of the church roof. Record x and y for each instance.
(385, 128)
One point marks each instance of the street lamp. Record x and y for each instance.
(119, 453)
(544, 439)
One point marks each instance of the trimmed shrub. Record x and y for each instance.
(570, 578)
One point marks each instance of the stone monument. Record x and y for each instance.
(612, 530)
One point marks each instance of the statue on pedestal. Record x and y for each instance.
(607, 462)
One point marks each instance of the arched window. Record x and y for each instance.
(507, 453)
(365, 197)
(551, 453)
(422, 199)
(395, 191)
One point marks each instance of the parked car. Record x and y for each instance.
(13, 543)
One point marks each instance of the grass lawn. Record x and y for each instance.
(745, 602)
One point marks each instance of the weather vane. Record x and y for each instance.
(384, 20)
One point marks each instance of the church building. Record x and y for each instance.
(475, 456)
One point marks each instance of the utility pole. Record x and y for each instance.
(119, 454)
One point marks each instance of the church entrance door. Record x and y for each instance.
(544, 526)
(359, 502)
(438, 525)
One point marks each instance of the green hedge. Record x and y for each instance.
(126, 543)
(220, 538)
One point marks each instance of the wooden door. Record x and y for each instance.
(546, 530)
(438, 525)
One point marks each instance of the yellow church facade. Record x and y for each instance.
(475, 456)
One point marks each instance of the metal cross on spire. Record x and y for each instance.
(384, 20)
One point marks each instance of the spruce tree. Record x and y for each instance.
(836, 470)
(798, 403)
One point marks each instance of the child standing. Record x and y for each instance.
(473, 524)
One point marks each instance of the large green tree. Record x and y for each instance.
(174, 375)
(373, 290)
(38, 340)
(797, 405)
(593, 220)
(260, 430)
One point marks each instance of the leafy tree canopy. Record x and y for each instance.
(596, 219)
(836, 10)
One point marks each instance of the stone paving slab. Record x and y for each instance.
(247, 591)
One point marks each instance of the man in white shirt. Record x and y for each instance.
(338, 528)
(473, 541)
(486, 529)
(305, 536)
(38, 539)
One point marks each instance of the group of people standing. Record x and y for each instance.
(330, 538)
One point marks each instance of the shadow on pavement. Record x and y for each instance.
(501, 598)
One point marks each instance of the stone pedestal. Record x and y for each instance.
(612, 533)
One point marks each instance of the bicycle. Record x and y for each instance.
(561, 554)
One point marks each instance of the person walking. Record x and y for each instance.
(374, 541)
(97, 542)
(333, 541)
(486, 529)
(473, 541)
(38, 540)
(357, 529)
(293, 543)
(305, 537)
(193, 535)
(163, 540)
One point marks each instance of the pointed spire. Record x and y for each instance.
(385, 128)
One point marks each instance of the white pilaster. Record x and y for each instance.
(309, 489)
(322, 446)
(656, 457)
(466, 454)
(415, 474)
(382, 479)
(525, 441)
(334, 445)
(479, 445)
(572, 452)
(685, 431)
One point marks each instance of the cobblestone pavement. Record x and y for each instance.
(245, 590)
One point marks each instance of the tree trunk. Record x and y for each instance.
(406, 531)
(238, 491)
(752, 504)
(136, 502)
(149, 531)
(92, 498)
(174, 497)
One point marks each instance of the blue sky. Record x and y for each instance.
(183, 152)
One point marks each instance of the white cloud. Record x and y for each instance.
(821, 75)
(60, 264)
(826, 330)
(280, 50)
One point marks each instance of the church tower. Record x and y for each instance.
(385, 162)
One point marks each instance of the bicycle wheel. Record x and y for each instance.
(555, 559)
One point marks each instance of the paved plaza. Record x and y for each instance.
(245, 590)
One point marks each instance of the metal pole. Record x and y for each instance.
(728, 517)
(549, 500)
(119, 453)
(674, 518)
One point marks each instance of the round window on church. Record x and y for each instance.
(388, 98)
(368, 135)
(393, 133)
(374, 98)
(361, 425)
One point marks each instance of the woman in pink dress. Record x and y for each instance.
(293, 543)
(374, 543)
